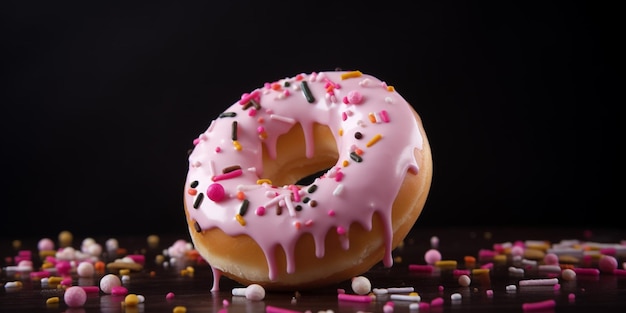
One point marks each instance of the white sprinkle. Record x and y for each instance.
(283, 119)
(539, 282)
(456, 296)
(338, 190)
(414, 298)
(511, 288)
(516, 270)
(400, 289)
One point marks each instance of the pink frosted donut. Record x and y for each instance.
(251, 211)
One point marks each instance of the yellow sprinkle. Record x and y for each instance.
(190, 269)
(390, 88)
(183, 272)
(124, 271)
(47, 265)
(240, 219)
(52, 300)
(340, 131)
(500, 258)
(374, 140)
(131, 300)
(263, 135)
(372, 117)
(446, 264)
(480, 271)
(237, 145)
(179, 309)
(345, 163)
(414, 294)
(54, 280)
(352, 74)
(263, 181)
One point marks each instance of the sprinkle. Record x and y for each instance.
(341, 230)
(275, 309)
(539, 282)
(233, 131)
(414, 298)
(390, 88)
(216, 192)
(240, 219)
(282, 118)
(198, 200)
(260, 211)
(245, 98)
(357, 158)
(421, 268)
(228, 114)
(263, 181)
(340, 131)
(237, 145)
(345, 163)
(539, 305)
(354, 298)
(244, 207)
(371, 117)
(374, 140)
(352, 74)
(228, 175)
(52, 300)
(194, 184)
(358, 135)
(307, 92)
(384, 116)
(338, 190)
(312, 189)
(241, 195)
(295, 191)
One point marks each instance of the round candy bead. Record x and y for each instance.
(45, 244)
(216, 192)
(432, 256)
(361, 285)
(551, 259)
(108, 281)
(75, 296)
(607, 263)
(464, 280)
(568, 274)
(85, 269)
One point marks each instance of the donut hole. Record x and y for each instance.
(291, 165)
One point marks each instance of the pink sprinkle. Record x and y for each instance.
(484, 254)
(275, 309)
(557, 287)
(138, 258)
(354, 298)
(247, 97)
(539, 305)
(228, 175)
(196, 141)
(216, 192)
(489, 293)
(344, 116)
(436, 302)
(385, 116)
(225, 303)
(341, 290)
(338, 176)
(459, 272)
(487, 265)
(260, 211)
(39, 275)
(63, 267)
(260, 129)
(331, 212)
(119, 291)
(296, 194)
(66, 281)
(218, 149)
(424, 306)
(586, 271)
(571, 297)
(440, 288)
(607, 263)
(169, 296)
(421, 268)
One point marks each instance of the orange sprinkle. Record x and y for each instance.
(263, 181)
(372, 117)
(152, 273)
(352, 74)
(358, 151)
(390, 88)
(241, 195)
(276, 86)
(299, 77)
(192, 191)
(340, 131)
(345, 163)
(297, 225)
(374, 140)
(121, 251)
(263, 135)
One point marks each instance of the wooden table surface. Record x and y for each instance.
(605, 292)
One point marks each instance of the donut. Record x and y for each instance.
(307, 181)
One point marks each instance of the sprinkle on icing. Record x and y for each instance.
(368, 111)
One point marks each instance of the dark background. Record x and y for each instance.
(100, 102)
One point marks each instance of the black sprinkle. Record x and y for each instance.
(312, 189)
(244, 207)
(298, 208)
(358, 135)
(307, 92)
(247, 105)
(355, 157)
(197, 226)
(194, 184)
(306, 199)
(287, 84)
(228, 114)
(233, 133)
(199, 198)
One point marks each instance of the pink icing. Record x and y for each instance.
(352, 191)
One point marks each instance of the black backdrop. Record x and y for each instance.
(100, 102)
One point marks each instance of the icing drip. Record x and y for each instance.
(376, 135)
